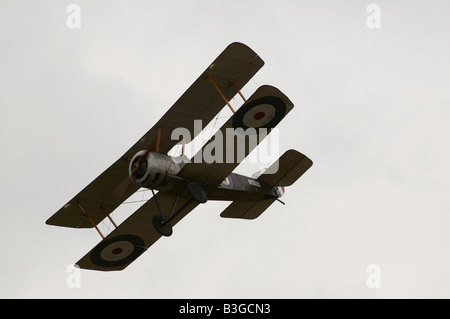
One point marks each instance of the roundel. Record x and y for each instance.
(117, 251)
(227, 183)
(279, 191)
(265, 112)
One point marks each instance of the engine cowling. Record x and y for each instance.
(153, 170)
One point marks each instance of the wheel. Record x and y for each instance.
(163, 228)
(197, 192)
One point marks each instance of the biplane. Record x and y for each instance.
(182, 185)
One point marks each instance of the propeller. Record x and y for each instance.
(123, 186)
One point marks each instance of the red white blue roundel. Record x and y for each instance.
(117, 251)
(259, 116)
(265, 112)
(279, 191)
(227, 183)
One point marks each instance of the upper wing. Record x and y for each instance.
(237, 64)
(134, 236)
(264, 109)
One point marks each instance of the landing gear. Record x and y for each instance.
(197, 192)
(162, 225)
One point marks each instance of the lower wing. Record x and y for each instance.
(135, 235)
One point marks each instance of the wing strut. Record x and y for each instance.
(158, 139)
(90, 219)
(107, 215)
(221, 94)
(239, 91)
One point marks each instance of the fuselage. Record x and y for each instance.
(159, 172)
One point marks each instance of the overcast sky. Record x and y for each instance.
(372, 110)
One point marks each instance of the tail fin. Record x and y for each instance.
(289, 167)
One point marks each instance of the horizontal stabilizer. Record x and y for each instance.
(246, 209)
(289, 167)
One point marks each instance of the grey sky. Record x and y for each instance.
(371, 111)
